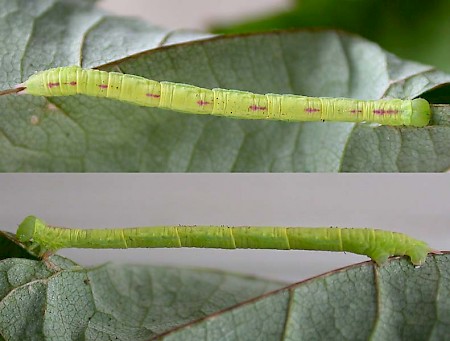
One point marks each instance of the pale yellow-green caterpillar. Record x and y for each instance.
(66, 81)
(376, 244)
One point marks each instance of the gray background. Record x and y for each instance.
(193, 14)
(417, 204)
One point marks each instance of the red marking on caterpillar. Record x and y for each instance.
(71, 83)
(103, 86)
(153, 95)
(356, 111)
(385, 112)
(52, 85)
(202, 103)
(256, 108)
(312, 110)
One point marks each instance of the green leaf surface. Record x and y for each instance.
(50, 301)
(90, 134)
(57, 299)
(360, 302)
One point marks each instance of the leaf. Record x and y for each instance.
(360, 302)
(45, 300)
(59, 300)
(90, 134)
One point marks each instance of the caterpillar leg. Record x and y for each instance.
(379, 257)
(419, 253)
(419, 257)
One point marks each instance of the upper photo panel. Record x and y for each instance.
(224, 86)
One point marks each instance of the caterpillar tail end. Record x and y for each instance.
(420, 253)
(421, 113)
(21, 89)
(417, 254)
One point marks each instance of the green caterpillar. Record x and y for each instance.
(66, 81)
(376, 244)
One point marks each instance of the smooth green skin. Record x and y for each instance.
(376, 244)
(66, 81)
(421, 113)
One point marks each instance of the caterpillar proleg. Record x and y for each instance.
(376, 244)
(66, 81)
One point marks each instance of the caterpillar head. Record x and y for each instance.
(421, 113)
(27, 228)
